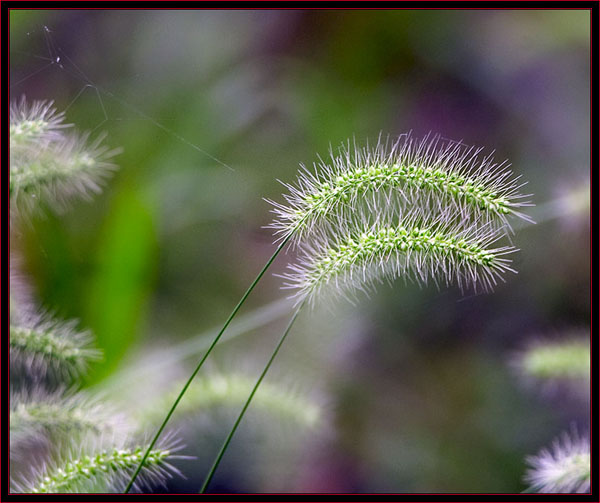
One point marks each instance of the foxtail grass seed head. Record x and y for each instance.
(357, 256)
(36, 124)
(569, 359)
(421, 210)
(432, 172)
(101, 470)
(232, 389)
(55, 415)
(51, 346)
(565, 468)
(47, 164)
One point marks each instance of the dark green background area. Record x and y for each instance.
(421, 391)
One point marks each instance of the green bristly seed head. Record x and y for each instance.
(47, 170)
(46, 344)
(67, 478)
(47, 163)
(424, 210)
(558, 360)
(36, 122)
(58, 415)
(431, 173)
(375, 245)
(26, 130)
(52, 344)
(49, 415)
(358, 181)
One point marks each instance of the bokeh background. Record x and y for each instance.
(418, 387)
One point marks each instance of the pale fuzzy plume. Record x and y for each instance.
(433, 173)
(49, 165)
(565, 468)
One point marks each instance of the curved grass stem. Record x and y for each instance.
(247, 404)
(199, 366)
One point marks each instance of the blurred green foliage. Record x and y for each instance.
(123, 278)
(421, 391)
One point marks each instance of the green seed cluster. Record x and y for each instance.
(390, 240)
(232, 389)
(67, 478)
(568, 359)
(49, 345)
(54, 415)
(357, 180)
(26, 130)
(28, 176)
(49, 164)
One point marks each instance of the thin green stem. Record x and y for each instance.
(197, 369)
(247, 404)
